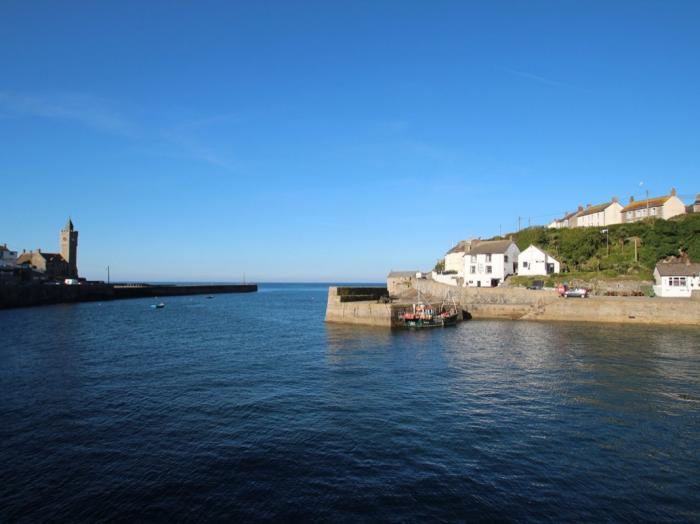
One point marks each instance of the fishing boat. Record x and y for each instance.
(160, 305)
(424, 315)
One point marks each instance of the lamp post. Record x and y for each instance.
(607, 240)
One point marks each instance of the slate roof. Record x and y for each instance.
(400, 274)
(595, 209)
(49, 257)
(641, 204)
(678, 269)
(486, 247)
(462, 246)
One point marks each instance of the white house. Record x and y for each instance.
(7, 258)
(660, 207)
(600, 215)
(454, 258)
(489, 262)
(676, 279)
(568, 220)
(534, 261)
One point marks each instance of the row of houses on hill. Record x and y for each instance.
(612, 212)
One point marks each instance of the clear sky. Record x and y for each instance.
(317, 141)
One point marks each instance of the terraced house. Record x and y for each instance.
(605, 214)
(658, 207)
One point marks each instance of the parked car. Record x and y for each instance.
(577, 292)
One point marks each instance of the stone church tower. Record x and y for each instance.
(69, 248)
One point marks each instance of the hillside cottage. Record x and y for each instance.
(568, 220)
(489, 262)
(676, 279)
(8, 258)
(600, 215)
(534, 261)
(659, 207)
(454, 258)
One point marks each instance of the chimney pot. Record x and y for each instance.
(631, 199)
(614, 199)
(673, 191)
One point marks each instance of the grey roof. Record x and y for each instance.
(486, 247)
(678, 269)
(461, 247)
(397, 274)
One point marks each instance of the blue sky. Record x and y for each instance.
(318, 141)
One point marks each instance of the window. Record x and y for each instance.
(524, 264)
(472, 269)
(488, 258)
(473, 259)
(488, 269)
(653, 210)
(676, 281)
(505, 258)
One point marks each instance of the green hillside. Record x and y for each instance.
(584, 250)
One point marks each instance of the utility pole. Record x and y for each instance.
(647, 209)
(519, 223)
(108, 274)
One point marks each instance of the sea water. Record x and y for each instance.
(248, 407)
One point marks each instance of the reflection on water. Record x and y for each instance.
(250, 407)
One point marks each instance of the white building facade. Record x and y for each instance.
(8, 258)
(534, 261)
(601, 215)
(489, 262)
(662, 207)
(676, 279)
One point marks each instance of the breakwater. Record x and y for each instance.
(27, 295)
(515, 304)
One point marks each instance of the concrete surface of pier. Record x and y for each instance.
(25, 295)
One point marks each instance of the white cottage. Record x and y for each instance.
(660, 207)
(535, 261)
(600, 215)
(489, 262)
(676, 279)
(454, 258)
(8, 258)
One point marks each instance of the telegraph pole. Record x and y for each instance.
(108, 274)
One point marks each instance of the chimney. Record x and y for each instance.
(38, 250)
(673, 191)
(588, 205)
(614, 199)
(580, 208)
(631, 199)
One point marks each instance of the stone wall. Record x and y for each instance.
(369, 313)
(520, 303)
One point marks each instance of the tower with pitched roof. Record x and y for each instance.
(69, 248)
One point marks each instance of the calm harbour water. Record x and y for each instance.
(248, 407)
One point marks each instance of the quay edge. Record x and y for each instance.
(515, 304)
(28, 295)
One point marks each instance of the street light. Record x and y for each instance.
(607, 240)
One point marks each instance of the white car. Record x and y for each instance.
(577, 292)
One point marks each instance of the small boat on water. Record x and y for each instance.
(210, 296)
(160, 305)
(424, 315)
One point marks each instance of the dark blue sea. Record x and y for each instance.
(248, 407)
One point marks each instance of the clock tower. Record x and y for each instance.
(69, 248)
